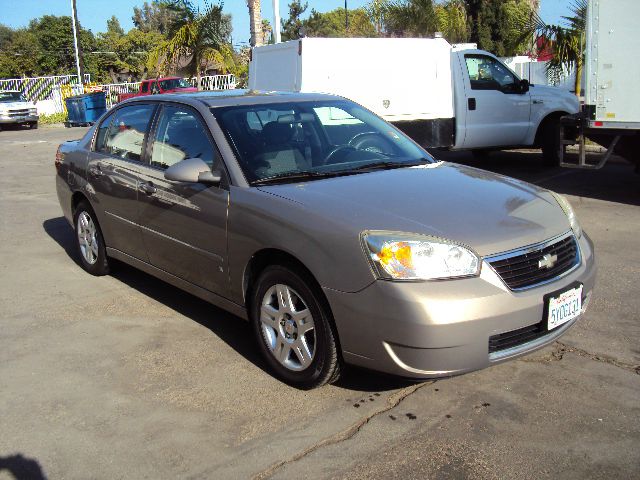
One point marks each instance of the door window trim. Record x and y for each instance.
(494, 59)
(148, 148)
(144, 159)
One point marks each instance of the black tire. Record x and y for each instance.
(101, 264)
(33, 125)
(325, 364)
(550, 142)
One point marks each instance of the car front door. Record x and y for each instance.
(497, 110)
(113, 169)
(184, 224)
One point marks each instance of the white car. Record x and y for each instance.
(15, 109)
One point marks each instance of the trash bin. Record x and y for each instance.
(85, 109)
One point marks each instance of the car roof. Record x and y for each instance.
(238, 97)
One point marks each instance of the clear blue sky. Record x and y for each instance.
(93, 14)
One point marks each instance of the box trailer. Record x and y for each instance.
(611, 112)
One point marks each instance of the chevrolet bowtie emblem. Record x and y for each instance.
(548, 261)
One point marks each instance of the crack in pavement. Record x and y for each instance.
(561, 348)
(346, 434)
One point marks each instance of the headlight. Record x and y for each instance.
(568, 210)
(404, 256)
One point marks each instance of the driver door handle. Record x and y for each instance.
(538, 102)
(147, 187)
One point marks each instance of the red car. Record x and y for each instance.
(160, 85)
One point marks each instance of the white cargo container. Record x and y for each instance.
(611, 113)
(441, 95)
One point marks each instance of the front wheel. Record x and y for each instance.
(89, 241)
(33, 125)
(293, 328)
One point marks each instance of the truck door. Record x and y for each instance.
(497, 112)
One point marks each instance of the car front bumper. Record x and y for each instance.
(442, 328)
(5, 119)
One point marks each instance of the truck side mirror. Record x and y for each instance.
(524, 85)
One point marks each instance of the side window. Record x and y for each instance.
(145, 87)
(101, 136)
(486, 73)
(125, 135)
(154, 87)
(180, 134)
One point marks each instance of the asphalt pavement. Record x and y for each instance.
(126, 377)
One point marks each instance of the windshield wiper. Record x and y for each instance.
(387, 165)
(303, 175)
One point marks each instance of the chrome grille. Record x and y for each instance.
(522, 268)
(19, 113)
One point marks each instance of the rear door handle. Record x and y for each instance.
(148, 188)
(96, 170)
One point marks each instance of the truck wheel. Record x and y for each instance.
(33, 125)
(550, 142)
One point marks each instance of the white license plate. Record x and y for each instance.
(565, 307)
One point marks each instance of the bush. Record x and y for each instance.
(54, 118)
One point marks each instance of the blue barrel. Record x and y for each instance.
(85, 109)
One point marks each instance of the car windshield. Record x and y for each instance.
(279, 142)
(11, 97)
(172, 83)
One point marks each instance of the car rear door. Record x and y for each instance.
(497, 112)
(184, 224)
(113, 169)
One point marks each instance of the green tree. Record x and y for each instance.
(19, 57)
(199, 38)
(153, 17)
(496, 25)
(292, 25)
(566, 42)
(411, 18)
(332, 24)
(452, 21)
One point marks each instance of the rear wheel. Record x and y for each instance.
(89, 241)
(293, 328)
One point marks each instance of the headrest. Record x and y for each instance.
(275, 133)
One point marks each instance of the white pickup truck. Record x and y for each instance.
(442, 95)
(17, 110)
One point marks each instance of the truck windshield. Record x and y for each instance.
(172, 83)
(288, 141)
(11, 97)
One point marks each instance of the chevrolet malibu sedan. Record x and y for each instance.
(336, 236)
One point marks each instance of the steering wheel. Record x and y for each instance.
(329, 159)
(370, 142)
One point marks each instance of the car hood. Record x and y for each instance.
(488, 212)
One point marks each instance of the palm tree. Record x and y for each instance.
(202, 37)
(255, 23)
(411, 17)
(567, 43)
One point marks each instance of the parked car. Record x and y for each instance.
(160, 85)
(17, 110)
(272, 206)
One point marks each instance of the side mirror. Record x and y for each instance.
(524, 86)
(192, 170)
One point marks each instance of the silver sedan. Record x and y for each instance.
(340, 239)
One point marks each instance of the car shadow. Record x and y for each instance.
(615, 182)
(21, 468)
(231, 329)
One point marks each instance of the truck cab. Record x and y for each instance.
(495, 108)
